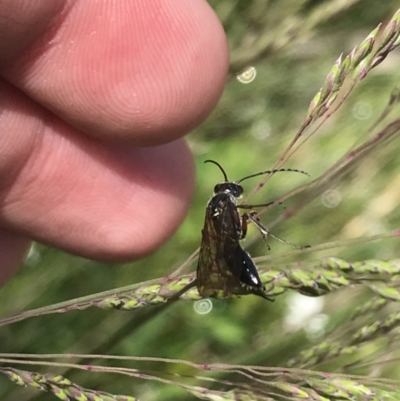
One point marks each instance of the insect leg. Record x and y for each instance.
(253, 217)
(261, 205)
(244, 226)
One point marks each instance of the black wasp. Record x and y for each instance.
(224, 267)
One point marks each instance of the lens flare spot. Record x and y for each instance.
(247, 75)
(331, 198)
(362, 110)
(203, 306)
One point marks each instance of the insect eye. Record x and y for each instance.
(236, 190)
(217, 188)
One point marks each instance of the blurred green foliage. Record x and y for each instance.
(293, 45)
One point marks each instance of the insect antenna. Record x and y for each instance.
(294, 170)
(220, 167)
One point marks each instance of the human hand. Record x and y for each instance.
(94, 98)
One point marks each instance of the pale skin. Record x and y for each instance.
(95, 97)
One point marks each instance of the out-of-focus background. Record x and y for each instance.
(293, 45)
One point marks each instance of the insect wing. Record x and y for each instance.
(211, 265)
(214, 278)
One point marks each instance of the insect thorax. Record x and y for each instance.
(220, 202)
